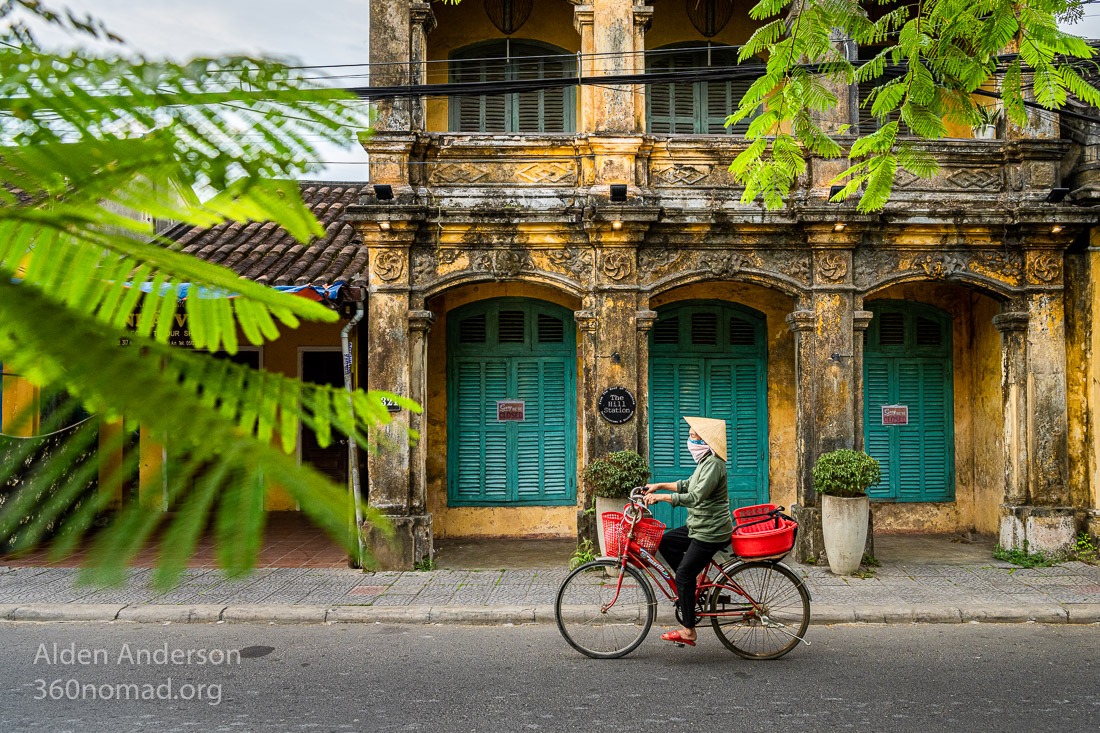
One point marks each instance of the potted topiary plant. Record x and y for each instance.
(842, 477)
(610, 479)
(988, 117)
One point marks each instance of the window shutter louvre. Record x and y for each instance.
(876, 387)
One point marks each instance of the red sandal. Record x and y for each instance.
(675, 638)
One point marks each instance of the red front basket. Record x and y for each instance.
(755, 538)
(647, 533)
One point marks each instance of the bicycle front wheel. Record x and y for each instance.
(771, 616)
(601, 617)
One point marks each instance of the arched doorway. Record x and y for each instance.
(709, 358)
(907, 362)
(511, 404)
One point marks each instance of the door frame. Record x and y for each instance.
(302, 350)
(758, 352)
(567, 353)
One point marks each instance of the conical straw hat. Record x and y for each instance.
(712, 431)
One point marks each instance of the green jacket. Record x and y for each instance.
(707, 501)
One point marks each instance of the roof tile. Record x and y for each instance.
(266, 253)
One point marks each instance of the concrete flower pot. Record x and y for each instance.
(605, 505)
(844, 525)
(985, 132)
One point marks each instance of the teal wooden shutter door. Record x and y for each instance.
(733, 389)
(708, 361)
(511, 349)
(675, 390)
(876, 388)
(482, 443)
(908, 362)
(542, 438)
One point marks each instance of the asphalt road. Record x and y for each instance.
(1023, 677)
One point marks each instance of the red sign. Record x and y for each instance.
(510, 410)
(895, 414)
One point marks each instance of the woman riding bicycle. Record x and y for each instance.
(688, 549)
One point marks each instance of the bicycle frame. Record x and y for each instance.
(659, 576)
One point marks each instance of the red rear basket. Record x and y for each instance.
(752, 513)
(647, 533)
(755, 538)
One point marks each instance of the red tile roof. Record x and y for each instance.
(266, 253)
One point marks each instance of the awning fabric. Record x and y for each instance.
(313, 292)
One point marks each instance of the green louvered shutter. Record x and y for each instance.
(876, 388)
(908, 362)
(675, 390)
(543, 437)
(709, 361)
(671, 106)
(511, 349)
(745, 433)
(542, 110)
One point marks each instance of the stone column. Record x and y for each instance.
(1013, 328)
(643, 320)
(829, 352)
(612, 41)
(421, 23)
(396, 351)
(390, 45)
(1036, 515)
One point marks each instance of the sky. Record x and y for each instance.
(322, 32)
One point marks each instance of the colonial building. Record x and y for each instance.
(528, 256)
(537, 248)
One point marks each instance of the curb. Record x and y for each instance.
(822, 614)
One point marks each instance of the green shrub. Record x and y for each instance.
(613, 477)
(845, 473)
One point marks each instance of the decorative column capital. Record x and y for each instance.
(861, 320)
(645, 319)
(1011, 321)
(586, 320)
(799, 321)
(421, 321)
(421, 15)
(583, 15)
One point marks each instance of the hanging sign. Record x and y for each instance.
(895, 414)
(616, 405)
(510, 410)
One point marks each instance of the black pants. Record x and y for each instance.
(687, 557)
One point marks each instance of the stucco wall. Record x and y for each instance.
(978, 417)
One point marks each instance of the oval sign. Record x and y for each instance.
(616, 405)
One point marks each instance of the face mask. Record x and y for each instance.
(698, 449)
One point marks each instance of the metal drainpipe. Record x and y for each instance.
(353, 448)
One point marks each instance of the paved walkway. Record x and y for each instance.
(896, 592)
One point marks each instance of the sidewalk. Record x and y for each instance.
(971, 589)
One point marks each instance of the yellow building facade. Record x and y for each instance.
(608, 212)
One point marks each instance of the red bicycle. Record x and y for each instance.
(757, 606)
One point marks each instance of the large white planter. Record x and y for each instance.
(844, 524)
(985, 132)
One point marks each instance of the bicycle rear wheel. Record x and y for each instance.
(599, 633)
(769, 619)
